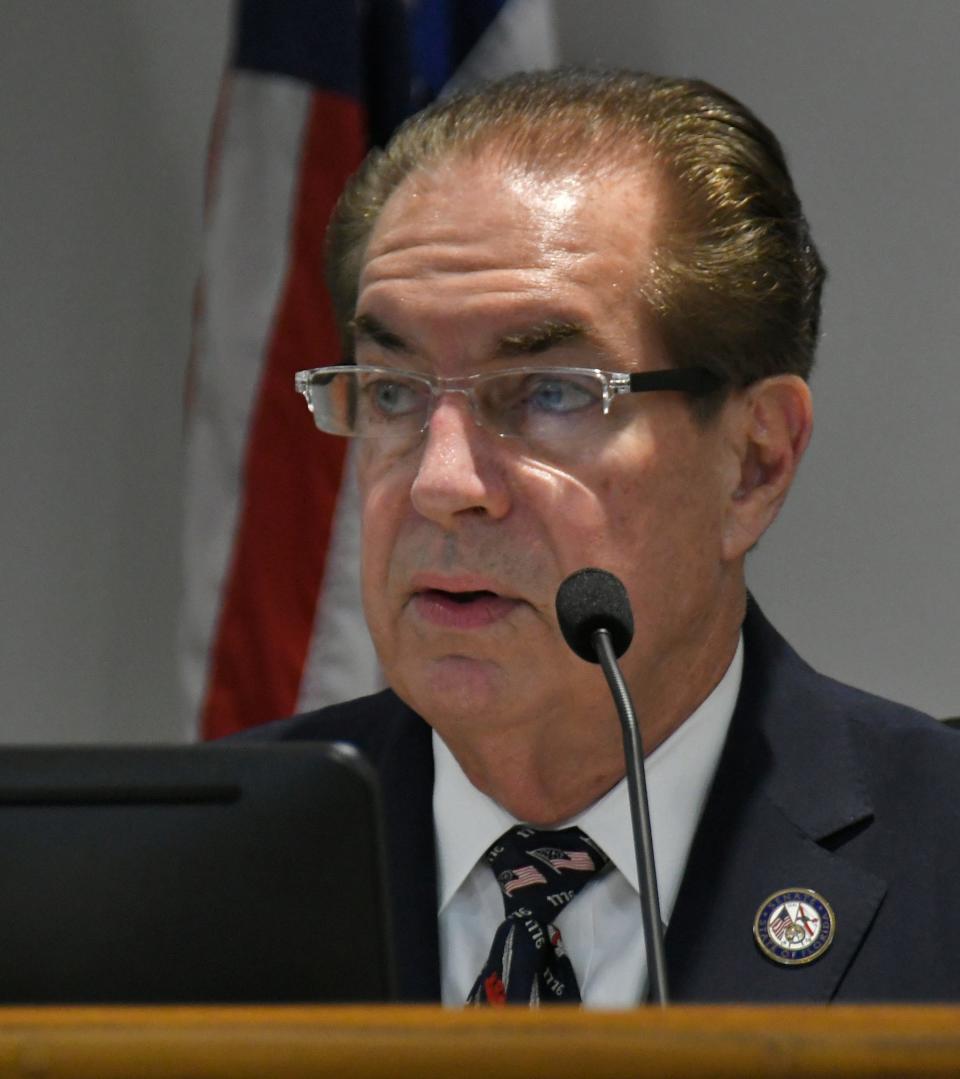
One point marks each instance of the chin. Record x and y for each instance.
(456, 689)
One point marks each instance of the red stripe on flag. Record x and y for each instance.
(292, 472)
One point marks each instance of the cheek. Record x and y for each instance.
(616, 498)
(382, 510)
(648, 512)
(565, 516)
(383, 504)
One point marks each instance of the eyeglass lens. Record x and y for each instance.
(541, 406)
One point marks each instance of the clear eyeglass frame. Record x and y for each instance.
(502, 401)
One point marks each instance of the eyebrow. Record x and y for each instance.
(531, 342)
(541, 338)
(367, 327)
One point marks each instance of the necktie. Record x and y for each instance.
(539, 873)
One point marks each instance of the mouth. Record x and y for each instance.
(462, 597)
(462, 609)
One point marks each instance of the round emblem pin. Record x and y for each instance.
(794, 926)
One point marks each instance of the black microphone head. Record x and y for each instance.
(593, 599)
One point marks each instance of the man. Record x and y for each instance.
(500, 272)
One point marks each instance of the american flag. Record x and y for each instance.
(522, 878)
(565, 859)
(781, 923)
(271, 620)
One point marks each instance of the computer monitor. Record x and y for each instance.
(192, 874)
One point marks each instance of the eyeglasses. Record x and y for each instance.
(541, 405)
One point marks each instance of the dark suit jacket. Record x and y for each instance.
(819, 786)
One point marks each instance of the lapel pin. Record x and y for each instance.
(794, 926)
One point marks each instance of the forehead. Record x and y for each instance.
(487, 242)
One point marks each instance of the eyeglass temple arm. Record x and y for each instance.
(697, 381)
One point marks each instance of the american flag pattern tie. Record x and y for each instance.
(539, 873)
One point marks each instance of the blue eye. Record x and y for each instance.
(391, 397)
(550, 393)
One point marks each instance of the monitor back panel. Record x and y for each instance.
(234, 874)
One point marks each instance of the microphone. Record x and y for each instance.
(593, 599)
(596, 622)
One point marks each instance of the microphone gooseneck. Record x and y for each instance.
(596, 621)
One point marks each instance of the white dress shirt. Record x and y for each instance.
(602, 928)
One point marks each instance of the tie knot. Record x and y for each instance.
(543, 871)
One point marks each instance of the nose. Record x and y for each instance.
(460, 469)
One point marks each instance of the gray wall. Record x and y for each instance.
(104, 112)
(105, 107)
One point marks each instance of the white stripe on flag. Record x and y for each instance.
(522, 37)
(247, 245)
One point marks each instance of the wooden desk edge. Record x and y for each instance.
(402, 1041)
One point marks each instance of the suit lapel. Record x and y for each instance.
(405, 766)
(787, 794)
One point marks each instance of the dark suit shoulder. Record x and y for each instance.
(372, 723)
(911, 762)
(901, 748)
(824, 736)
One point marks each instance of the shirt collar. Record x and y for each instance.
(679, 773)
(467, 822)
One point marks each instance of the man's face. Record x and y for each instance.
(468, 535)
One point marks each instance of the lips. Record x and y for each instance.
(462, 608)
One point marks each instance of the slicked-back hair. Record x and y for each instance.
(734, 282)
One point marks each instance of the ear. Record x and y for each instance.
(772, 424)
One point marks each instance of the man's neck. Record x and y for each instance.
(547, 773)
(537, 785)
